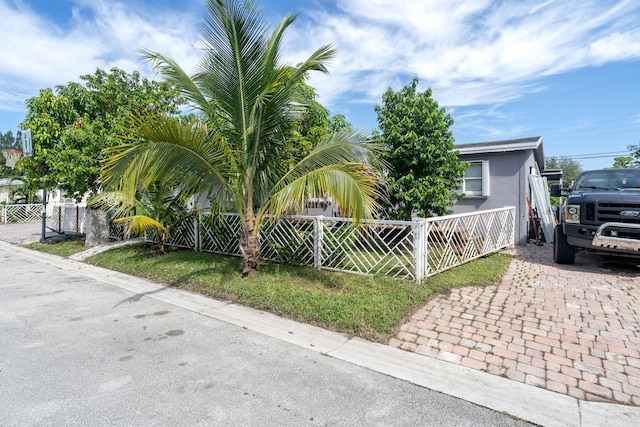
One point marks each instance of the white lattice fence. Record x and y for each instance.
(20, 213)
(402, 249)
(116, 232)
(289, 240)
(220, 234)
(455, 239)
(185, 234)
(379, 247)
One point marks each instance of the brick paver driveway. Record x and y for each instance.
(570, 329)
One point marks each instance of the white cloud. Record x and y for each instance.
(469, 51)
(38, 52)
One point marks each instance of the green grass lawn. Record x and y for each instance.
(372, 307)
(64, 248)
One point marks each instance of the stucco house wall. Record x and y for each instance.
(509, 165)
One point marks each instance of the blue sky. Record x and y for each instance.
(567, 70)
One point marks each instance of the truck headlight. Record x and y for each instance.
(572, 214)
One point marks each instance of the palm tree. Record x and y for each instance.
(232, 150)
(156, 209)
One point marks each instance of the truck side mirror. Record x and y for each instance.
(556, 190)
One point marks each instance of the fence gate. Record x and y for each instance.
(20, 213)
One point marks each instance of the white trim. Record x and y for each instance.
(485, 178)
(498, 148)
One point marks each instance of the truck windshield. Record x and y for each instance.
(610, 179)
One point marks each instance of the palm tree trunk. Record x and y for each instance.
(250, 248)
(159, 243)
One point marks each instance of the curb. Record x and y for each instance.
(517, 399)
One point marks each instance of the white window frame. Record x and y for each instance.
(485, 177)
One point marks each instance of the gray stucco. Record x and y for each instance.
(509, 171)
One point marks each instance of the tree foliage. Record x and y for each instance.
(9, 142)
(234, 150)
(570, 168)
(631, 161)
(72, 124)
(625, 162)
(426, 173)
(310, 126)
(24, 193)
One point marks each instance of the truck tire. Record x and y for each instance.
(563, 252)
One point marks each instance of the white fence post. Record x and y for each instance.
(317, 241)
(427, 249)
(196, 234)
(418, 249)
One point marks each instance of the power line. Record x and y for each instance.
(599, 154)
(592, 157)
(609, 154)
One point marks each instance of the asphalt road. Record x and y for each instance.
(75, 350)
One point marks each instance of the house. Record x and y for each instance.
(7, 186)
(498, 176)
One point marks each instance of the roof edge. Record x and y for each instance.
(532, 143)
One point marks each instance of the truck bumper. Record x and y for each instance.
(605, 240)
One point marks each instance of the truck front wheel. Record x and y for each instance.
(563, 252)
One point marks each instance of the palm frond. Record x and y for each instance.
(189, 156)
(117, 204)
(353, 187)
(137, 225)
(174, 74)
(346, 146)
(242, 73)
(340, 167)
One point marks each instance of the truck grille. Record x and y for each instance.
(628, 213)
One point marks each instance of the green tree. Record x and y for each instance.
(625, 162)
(73, 124)
(426, 173)
(7, 142)
(233, 150)
(570, 168)
(310, 126)
(631, 161)
(10, 142)
(635, 151)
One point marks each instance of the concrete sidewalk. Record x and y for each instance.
(501, 394)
